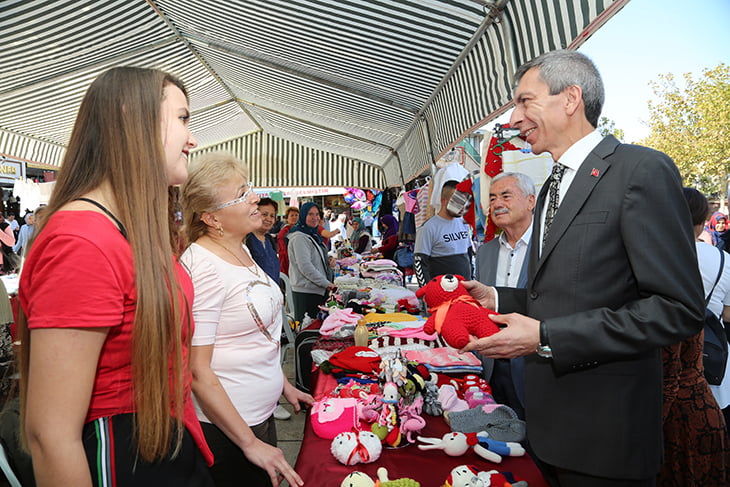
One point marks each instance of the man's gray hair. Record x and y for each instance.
(524, 182)
(563, 68)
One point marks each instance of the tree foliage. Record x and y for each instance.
(691, 124)
(606, 126)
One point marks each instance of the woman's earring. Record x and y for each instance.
(220, 230)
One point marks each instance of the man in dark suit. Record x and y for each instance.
(503, 262)
(612, 279)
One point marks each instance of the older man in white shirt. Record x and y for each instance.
(502, 262)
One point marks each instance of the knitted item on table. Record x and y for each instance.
(450, 400)
(498, 420)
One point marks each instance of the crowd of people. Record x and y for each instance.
(202, 413)
(598, 282)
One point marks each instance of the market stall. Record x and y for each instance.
(390, 393)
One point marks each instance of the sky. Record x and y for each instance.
(647, 38)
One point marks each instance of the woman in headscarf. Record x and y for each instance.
(389, 244)
(360, 240)
(716, 227)
(309, 271)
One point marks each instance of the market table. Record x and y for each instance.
(317, 466)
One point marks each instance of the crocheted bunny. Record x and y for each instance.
(456, 444)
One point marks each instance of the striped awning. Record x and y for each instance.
(363, 93)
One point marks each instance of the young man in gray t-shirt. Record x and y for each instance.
(443, 243)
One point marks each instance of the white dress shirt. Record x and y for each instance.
(572, 160)
(510, 260)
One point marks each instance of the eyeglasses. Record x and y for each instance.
(241, 199)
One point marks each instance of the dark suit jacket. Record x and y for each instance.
(487, 256)
(487, 259)
(617, 280)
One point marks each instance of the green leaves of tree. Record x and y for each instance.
(691, 124)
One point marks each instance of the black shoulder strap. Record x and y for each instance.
(719, 275)
(122, 230)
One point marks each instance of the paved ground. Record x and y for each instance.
(290, 431)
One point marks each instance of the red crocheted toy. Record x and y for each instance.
(454, 313)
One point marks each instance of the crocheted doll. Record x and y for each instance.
(456, 444)
(356, 447)
(360, 479)
(469, 476)
(454, 313)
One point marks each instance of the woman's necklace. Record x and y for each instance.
(255, 270)
(249, 302)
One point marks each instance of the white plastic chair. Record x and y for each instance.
(287, 315)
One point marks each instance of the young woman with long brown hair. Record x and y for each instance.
(105, 323)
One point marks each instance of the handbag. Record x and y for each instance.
(715, 349)
(404, 256)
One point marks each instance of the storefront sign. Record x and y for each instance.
(11, 170)
(299, 192)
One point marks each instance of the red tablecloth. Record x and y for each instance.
(318, 467)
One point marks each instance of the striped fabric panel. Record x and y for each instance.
(341, 81)
(29, 149)
(274, 162)
(105, 452)
(528, 29)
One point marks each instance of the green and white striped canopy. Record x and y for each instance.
(364, 93)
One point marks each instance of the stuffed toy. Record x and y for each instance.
(356, 447)
(387, 426)
(359, 479)
(469, 476)
(431, 404)
(454, 313)
(333, 415)
(411, 421)
(415, 382)
(456, 444)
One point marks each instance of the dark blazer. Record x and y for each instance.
(486, 266)
(487, 256)
(617, 280)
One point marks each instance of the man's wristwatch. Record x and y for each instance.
(543, 349)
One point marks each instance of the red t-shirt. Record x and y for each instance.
(79, 274)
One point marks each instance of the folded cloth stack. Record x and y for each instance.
(353, 359)
(382, 269)
(340, 321)
(446, 360)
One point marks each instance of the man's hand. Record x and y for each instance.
(521, 337)
(482, 293)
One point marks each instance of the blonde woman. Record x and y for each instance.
(237, 376)
(105, 325)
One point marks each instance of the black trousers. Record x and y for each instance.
(113, 460)
(231, 467)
